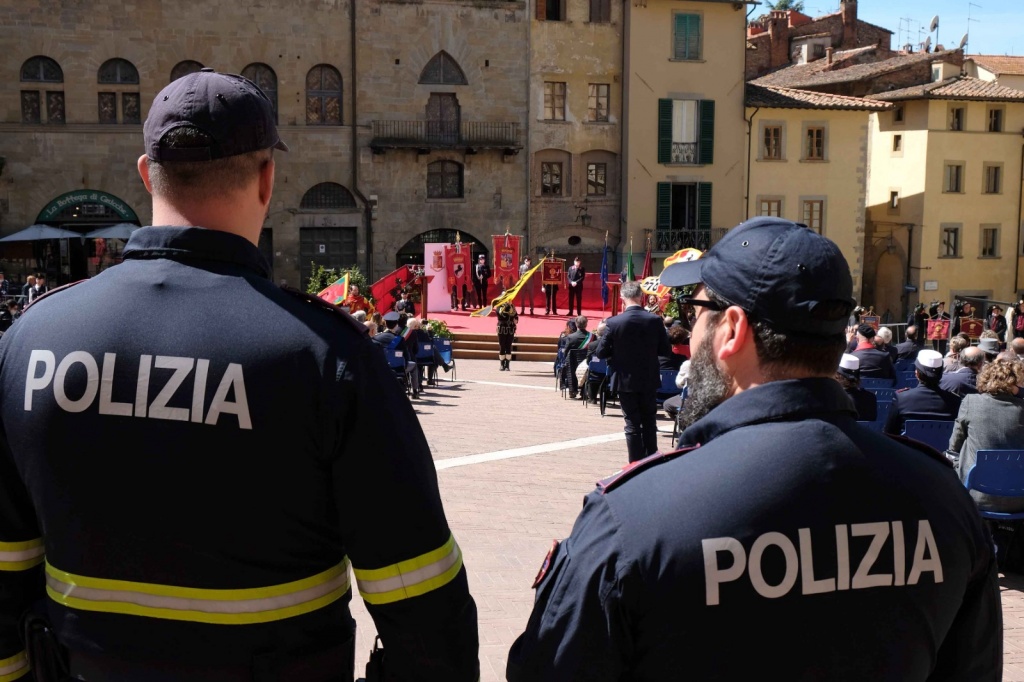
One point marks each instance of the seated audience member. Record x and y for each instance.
(909, 349)
(563, 339)
(991, 419)
(848, 377)
(679, 338)
(926, 401)
(672, 361)
(951, 362)
(873, 362)
(963, 380)
(371, 328)
(359, 315)
(391, 338)
(883, 341)
(989, 344)
(1017, 346)
(416, 338)
(580, 338)
(9, 314)
(674, 404)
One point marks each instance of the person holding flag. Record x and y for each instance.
(526, 290)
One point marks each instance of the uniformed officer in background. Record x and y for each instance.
(195, 450)
(785, 541)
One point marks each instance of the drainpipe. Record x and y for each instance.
(910, 254)
(528, 17)
(367, 210)
(750, 143)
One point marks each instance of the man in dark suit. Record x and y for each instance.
(481, 273)
(927, 401)
(873, 362)
(631, 343)
(909, 349)
(964, 380)
(576, 276)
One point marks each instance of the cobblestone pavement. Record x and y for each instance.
(543, 454)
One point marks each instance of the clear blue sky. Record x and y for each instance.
(995, 27)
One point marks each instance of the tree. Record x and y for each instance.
(320, 278)
(797, 5)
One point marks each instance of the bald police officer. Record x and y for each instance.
(190, 453)
(783, 541)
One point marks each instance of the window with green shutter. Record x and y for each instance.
(664, 131)
(686, 131)
(664, 218)
(704, 206)
(683, 217)
(686, 36)
(706, 143)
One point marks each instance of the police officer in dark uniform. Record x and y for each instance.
(784, 541)
(874, 362)
(927, 400)
(196, 467)
(848, 376)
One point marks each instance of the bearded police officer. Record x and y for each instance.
(195, 449)
(784, 541)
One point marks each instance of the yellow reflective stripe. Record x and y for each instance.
(224, 607)
(410, 578)
(19, 556)
(14, 668)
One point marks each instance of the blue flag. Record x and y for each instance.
(604, 275)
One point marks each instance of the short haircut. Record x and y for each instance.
(415, 323)
(972, 357)
(928, 380)
(1017, 345)
(784, 355)
(677, 334)
(202, 180)
(912, 333)
(581, 322)
(958, 343)
(989, 334)
(1001, 376)
(631, 291)
(885, 334)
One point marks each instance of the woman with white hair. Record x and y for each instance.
(883, 341)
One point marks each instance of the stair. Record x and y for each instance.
(485, 347)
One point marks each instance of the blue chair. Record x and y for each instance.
(906, 379)
(668, 386)
(882, 413)
(597, 375)
(444, 351)
(904, 365)
(396, 361)
(998, 472)
(874, 426)
(425, 360)
(875, 382)
(935, 433)
(567, 381)
(883, 395)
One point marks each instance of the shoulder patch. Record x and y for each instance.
(324, 305)
(546, 564)
(922, 447)
(51, 292)
(605, 485)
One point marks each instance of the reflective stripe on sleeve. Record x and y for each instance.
(14, 668)
(20, 556)
(410, 578)
(223, 607)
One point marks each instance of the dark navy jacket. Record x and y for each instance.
(921, 402)
(182, 423)
(792, 545)
(632, 341)
(875, 363)
(963, 381)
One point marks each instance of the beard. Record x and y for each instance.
(708, 385)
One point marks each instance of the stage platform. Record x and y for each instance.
(529, 325)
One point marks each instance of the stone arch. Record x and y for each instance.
(411, 252)
(327, 196)
(442, 69)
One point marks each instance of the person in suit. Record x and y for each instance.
(30, 283)
(927, 401)
(992, 419)
(909, 349)
(404, 305)
(873, 362)
(963, 380)
(996, 322)
(848, 377)
(40, 288)
(481, 273)
(883, 341)
(632, 342)
(526, 291)
(391, 338)
(576, 277)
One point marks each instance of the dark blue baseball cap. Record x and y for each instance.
(231, 109)
(780, 273)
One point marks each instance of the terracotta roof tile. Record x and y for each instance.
(817, 72)
(961, 87)
(1000, 65)
(787, 98)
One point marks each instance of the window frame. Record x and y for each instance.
(947, 177)
(1000, 119)
(551, 96)
(687, 56)
(811, 202)
(955, 229)
(893, 205)
(996, 170)
(809, 131)
(459, 173)
(994, 229)
(600, 170)
(779, 143)
(44, 93)
(600, 12)
(897, 144)
(323, 95)
(594, 97)
(956, 118)
(271, 94)
(899, 114)
(770, 201)
(549, 169)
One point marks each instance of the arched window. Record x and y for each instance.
(42, 80)
(327, 196)
(265, 78)
(323, 96)
(442, 69)
(119, 99)
(444, 180)
(184, 68)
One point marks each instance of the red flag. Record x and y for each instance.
(337, 292)
(647, 272)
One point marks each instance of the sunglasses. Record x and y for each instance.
(710, 305)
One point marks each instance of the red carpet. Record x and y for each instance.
(536, 325)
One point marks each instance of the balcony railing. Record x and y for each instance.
(673, 240)
(446, 135)
(684, 152)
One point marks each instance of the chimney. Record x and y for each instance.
(848, 8)
(828, 55)
(778, 32)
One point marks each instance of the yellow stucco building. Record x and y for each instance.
(944, 193)
(683, 151)
(808, 159)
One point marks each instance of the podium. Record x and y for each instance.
(613, 294)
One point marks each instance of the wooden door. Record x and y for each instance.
(444, 117)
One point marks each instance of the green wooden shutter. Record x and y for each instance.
(664, 130)
(664, 219)
(703, 205)
(706, 137)
(686, 36)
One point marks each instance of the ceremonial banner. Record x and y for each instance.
(872, 320)
(386, 290)
(647, 271)
(554, 272)
(972, 326)
(438, 290)
(938, 329)
(337, 292)
(509, 295)
(506, 259)
(680, 256)
(458, 259)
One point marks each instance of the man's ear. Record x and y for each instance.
(266, 182)
(736, 330)
(143, 165)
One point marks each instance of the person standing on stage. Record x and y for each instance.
(507, 321)
(525, 291)
(481, 273)
(576, 277)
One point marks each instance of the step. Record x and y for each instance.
(493, 355)
(493, 345)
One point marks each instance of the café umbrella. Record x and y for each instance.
(38, 233)
(119, 231)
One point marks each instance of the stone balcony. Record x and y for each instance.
(425, 136)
